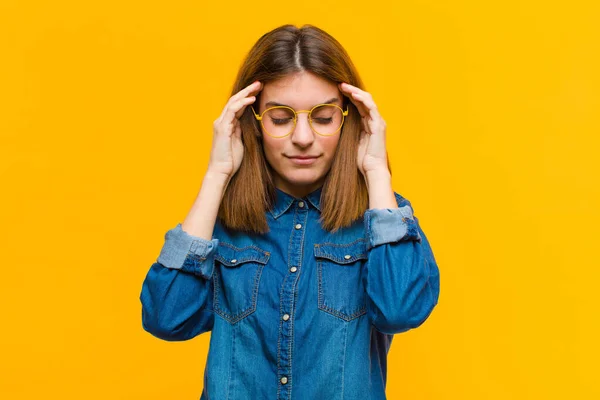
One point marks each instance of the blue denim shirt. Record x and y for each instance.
(297, 313)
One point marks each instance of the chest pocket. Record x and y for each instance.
(339, 271)
(236, 279)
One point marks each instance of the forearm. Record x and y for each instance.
(381, 194)
(176, 305)
(201, 218)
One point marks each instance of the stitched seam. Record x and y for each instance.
(233, 318)
(321, 299)
(344, 357)
(229, 383)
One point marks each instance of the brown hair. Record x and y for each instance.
(251, 191)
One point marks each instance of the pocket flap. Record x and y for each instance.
(232, 256)
(342, 253)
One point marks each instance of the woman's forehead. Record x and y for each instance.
(305, 86)
(273, 103)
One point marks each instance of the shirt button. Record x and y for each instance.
(233, 261)
(293, 269)
(301, 204)
(298, 226)
(347, 256)
(284, 380)
(286, 317)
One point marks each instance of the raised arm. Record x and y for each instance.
(177, 292)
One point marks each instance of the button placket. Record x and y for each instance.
(288, 298)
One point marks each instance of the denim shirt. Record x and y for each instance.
(297, 313)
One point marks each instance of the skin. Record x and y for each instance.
(301, 91)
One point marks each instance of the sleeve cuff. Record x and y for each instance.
(188, 253)
(387, 225)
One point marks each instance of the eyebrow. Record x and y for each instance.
(274, 103)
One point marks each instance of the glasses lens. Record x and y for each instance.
(278, 122)
(327, 119)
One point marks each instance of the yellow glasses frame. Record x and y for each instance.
(260, 117)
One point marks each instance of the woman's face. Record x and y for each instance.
(301, 91)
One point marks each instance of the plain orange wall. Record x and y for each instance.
(106, 112)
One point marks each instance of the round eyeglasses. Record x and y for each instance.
(280, 121)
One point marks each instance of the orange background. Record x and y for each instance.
(492, 112)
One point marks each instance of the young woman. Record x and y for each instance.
(297, 254)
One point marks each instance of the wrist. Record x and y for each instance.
(215, 182)
(379, 186)
(381, 174)
(216, 177)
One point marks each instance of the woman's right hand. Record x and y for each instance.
(227, 148)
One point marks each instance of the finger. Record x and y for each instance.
(368, 104)
(236, 110)
(233, 112)
(362, 110)
(251, 89)
(354, 89)
(373, 121)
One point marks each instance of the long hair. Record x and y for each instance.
(251, 191)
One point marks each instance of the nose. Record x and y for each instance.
(303, 135)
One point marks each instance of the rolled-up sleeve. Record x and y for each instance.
(402, 276)
(176, 294)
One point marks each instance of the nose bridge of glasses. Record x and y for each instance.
(307, 118)
(303, 111)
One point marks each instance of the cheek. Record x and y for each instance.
(272, 150)
(330, 145)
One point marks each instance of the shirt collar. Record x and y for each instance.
(283, 201)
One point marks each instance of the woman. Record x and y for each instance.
(297, 254)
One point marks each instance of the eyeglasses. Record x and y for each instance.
(280, 121)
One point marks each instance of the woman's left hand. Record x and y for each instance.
(372, 155)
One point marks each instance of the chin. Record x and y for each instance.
(302, 177)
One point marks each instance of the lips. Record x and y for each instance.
(302, 157)
(303, 160)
